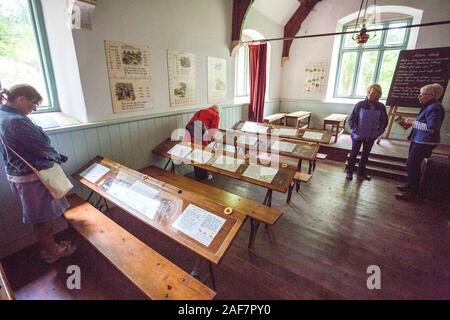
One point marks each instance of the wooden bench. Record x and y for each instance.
(274, 117)
(300, 177)
(151, 273)
(254, 210)
(6, 292)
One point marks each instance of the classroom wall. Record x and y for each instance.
(202, 27)
(323, 19)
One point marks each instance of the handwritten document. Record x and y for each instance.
(199, 156)
(312, 135)
(254, 127)
(261, 173)
(94, 172)
(199, 224)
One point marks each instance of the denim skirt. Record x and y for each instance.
(38, 205)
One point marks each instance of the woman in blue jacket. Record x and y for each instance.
(19, 133)
(424, 137)
(367, 121)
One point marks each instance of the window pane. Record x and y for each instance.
(396, 37)
(19, 53)
(346, 73)
(366, 74)
(348, 41)
(374, 37)
(388, 65)
(240, 75)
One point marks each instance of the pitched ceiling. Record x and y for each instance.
(278, 11)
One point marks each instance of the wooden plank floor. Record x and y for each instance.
(333, 230)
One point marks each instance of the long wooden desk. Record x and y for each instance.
(335, 120)
(256, 211)
(290, 133)
(159, 205)
(303, 150)
(281, 182)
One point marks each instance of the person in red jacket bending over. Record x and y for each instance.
(202, 128)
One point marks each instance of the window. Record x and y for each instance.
(24, 53)
(242, 73)
(373, 62)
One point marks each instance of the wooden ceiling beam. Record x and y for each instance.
(293, 25)
(240, 9)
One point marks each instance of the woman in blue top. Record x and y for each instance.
(367, 121)
(19, 133)
(424, 137)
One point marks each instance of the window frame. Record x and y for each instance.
(360, 49)
(246, 72)
(40, 35)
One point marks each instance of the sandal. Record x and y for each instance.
(63, 249)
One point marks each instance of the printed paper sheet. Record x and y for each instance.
(254, 127)
(228, 163)
(129, 76)
(180, 150)
(283, 146)
(199, 156)
(199, 224)
(94, 172)
(181, 68)
(217, 80)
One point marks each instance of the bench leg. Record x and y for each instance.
(89, 197)
(270, 232)
(210, 274)
(289, 196)
(268, 199)
(253, 230)
(310, 166)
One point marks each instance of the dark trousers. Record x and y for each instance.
(200, 174)
(356, 145)
(417, 152)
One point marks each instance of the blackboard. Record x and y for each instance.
(416, 68)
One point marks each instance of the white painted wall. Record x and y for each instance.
(323, 19)
(201, 27)
(64, 60)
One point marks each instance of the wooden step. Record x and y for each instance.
(383, 163)
(383, 172)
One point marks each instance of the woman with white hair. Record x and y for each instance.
(424, 137)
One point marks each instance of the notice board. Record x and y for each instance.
(416, 68)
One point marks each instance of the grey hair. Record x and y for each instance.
(435, 88)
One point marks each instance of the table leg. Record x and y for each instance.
(167, 164)
(337, 131)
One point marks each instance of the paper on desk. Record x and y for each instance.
(199, 156)
(261, 173)
(313, 135)
(250, 140)
(144, 189)
(94, 172)
(288, 132)
(225, 147)
(199, 224)
(228, 163)
(134, 200)
(283, 146)
(180, 150)
(254, 127)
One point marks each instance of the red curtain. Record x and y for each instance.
(257, 63)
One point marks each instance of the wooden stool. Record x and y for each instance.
(335, 121)
(299, 177)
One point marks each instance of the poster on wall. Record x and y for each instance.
(315, 77)
(129, 76)
(181, 68)
(217, 80)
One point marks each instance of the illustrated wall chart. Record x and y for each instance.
(181, 68)
(315, 77)
(217, 80)
(129, 76)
